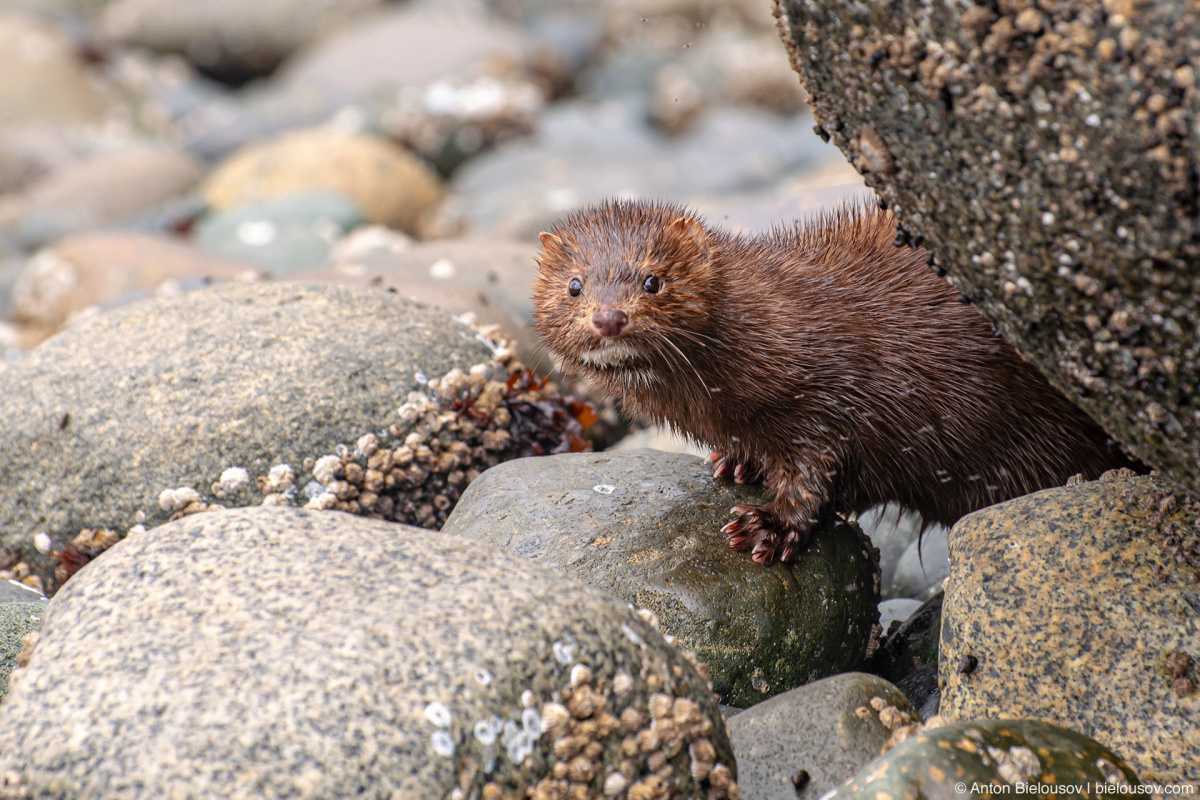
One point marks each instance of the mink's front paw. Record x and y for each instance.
(756, 529)
(726, 467)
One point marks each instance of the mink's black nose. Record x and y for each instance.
(609, 322)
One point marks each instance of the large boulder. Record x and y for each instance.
(645, 525)
(1077, 606)
(284, 653)
(1047, 154)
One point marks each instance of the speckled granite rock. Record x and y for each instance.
(17, 618)
(1048, 158)
(283, 653)
(170, 393)
(390, 185)
(1000, 756)
(1070, 605)
(645, 525)
(96, 269)
(828, 729)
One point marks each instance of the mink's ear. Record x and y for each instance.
(687, 237)
(554, 247)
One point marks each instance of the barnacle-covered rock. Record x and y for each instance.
(974, 759)
(234, 395)
(274, 652)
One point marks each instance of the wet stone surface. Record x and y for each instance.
(291, 653)
(825, 731)
(1071, 605)
(1048, 159)
(645, 525)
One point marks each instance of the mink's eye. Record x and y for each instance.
(574, 287)
(652, 284)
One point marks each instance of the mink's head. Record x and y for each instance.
(624, 287)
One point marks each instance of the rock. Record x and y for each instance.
(16, 592)
(90, 270)
(41, 78)
(908, 656)
(923, 566)
(792, 198)
(585, 153)
(389, 185)
(490, 278)
(655, 437)
(1049, 164)
(1068, 604)
(284, 653)
(937, 763)
(17, 618)
(645, 526)
(826, 729)
(896, 611)
(892, 530)
(285, 234)
(131, 416)
(97, 192)
(407, 47)
(225, 124)
(231, 40)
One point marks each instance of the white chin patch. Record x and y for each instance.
(610, 356)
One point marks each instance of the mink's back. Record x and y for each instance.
(830, 338)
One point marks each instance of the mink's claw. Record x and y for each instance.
(724, 467)
(755, 529)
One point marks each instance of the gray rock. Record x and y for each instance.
(909, 656)
(1075, 606)
(171, 392)
(896, 610)
(645, 525)
(405, 47)
(283, 653)
(17, 618)
(285, 234)
(490, 278)
(587, 152)
(892, 530)
(820, 728)
(97, 192)
(17, 592)
(41, 78)
(1049, 164)
(923, 566)
(226, 38)
(217, 128)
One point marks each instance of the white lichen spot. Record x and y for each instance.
(485, 734)
(438, 714)
(631, 635)
(527, 699)
(483, 677)
(135, 529)
(442, 743)
(257, 232)
(42, 542)
(420, 377)
(172, 500)
(564, 652)
(443, 270)
(1048, 218)
(604, 488)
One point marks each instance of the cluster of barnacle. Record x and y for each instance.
(582, 725)
(465, 422)
(1175, 522)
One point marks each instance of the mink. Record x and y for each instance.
(821, 359)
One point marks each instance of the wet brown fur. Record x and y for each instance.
(821, 357)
